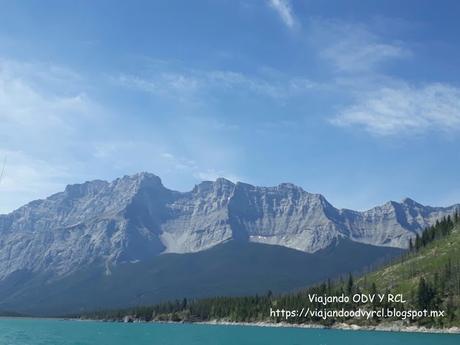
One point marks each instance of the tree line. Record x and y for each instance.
(441, 229)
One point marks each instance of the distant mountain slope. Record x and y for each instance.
(233, 268)
(135, 218)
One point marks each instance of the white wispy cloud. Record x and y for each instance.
(381, 104)
(40, 114)
(177, 85)
(353, 47)
(188, 84)
(284, 10)
(179, 163)
(21, 103)
(404, 109)
(27, 178)
(356, 56)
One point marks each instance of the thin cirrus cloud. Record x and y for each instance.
(353, 47)
(404, 109)
(39, 115)
(24, 103)
(37, 110)
(186, 85)
(355, 56)
(26, 178)
(284, 10)
(382, 105)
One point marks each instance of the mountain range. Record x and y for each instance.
(102, 227)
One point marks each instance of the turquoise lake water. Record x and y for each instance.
(57, 332)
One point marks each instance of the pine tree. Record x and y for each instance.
(350, 284)
(425, 294)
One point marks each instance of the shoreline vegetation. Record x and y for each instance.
(386, 327)
(348, 327)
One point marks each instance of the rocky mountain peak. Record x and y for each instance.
(143, 179)
(287, 185)
(222, 181)
(408, 202)
(89, 187)
(218, 186)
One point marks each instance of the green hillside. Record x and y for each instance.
(432, 268)
(438, 260)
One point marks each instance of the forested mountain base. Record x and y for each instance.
(427, 278)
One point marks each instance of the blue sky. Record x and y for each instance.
(357, 100)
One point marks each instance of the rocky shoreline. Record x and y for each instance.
(391, 327)
(387, 327)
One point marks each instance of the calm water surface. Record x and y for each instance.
(57, 332)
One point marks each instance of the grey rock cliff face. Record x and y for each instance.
(393, 223)
(199, 219)
(135, 217)
(284, 215)
(85, 223)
